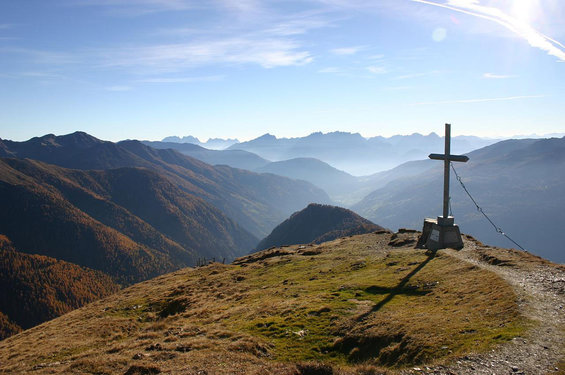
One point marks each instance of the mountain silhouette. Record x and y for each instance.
(211, 143)
(518, 183)
(317, 223)
(255, 201)
(354, 153)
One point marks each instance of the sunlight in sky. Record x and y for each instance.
(151, 69)
(525, 10)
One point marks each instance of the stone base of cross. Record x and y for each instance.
(442, 233)
(438, 234)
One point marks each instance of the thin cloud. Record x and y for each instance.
(416, 75)
(181, 79)
(298, 26)
(377, 69)
(140, 7)
(42, 75)
(376, 57)
(347, 50)
(497, 76)
(331, 69)
(118, 88)
(43, 57)
(517, 26)
(482, 100)
(268, 53)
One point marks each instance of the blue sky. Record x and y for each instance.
(147, 69)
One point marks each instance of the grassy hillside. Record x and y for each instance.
(37, 288)
(315, 224)
(360, 305)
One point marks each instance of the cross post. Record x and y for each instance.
(443, 233)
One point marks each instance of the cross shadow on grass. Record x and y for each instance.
(398, 289)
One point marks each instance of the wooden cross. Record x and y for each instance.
(447, 158)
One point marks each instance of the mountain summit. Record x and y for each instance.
(317, 223)
(367, 304)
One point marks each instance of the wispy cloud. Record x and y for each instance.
(375, 69)
(43, 57)
(299, 24)
(331, 69)
(519, 27)
(481, 100)
(5, 26)
(376, 57)
(42, 75)
(416, 75)
(498, 76)
(181, 79)
(118, 88)
(266, 52)
(140, 7)
(347, 50)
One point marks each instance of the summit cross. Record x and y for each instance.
(447, 158)
(442, 232)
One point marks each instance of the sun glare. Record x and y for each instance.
(525, 10)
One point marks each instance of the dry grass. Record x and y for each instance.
(351, 306)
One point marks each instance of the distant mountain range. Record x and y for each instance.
(212, 143)
(257, 202)
(342, 187)
(355, 154)
(316, 224)
(518, 183)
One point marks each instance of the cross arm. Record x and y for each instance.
(461, 158)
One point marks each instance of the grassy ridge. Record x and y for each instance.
(354, 303)
(396, 308)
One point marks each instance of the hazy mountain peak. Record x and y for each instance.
(186, 139)
(266, 136)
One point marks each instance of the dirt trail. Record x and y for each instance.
(540, 287)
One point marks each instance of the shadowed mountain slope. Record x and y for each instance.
(317, 223)
(335, 182)
(518, 183)
(255, 201)
(233, 158)
(130, 223)
(36, 288)
(365, 304)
